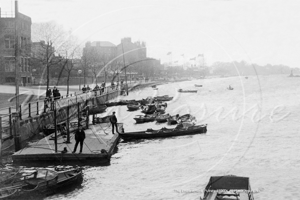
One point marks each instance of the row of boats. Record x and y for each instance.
(154, 111)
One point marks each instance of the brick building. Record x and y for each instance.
(100, 51)
(7, 49)
(133, 51)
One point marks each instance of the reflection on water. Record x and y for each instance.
(253, 131)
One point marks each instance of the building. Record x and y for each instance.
(134, 55)
(7, 49)
(133, 51)
(39, 49)
(100, 51)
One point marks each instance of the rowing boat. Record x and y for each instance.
(39, 181)
(165, 132)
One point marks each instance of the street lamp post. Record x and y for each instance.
(79, 72)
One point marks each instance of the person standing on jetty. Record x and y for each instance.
(79, 138)
(113, 121)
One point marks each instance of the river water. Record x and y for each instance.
(253, 131)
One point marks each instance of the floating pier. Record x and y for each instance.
(99, 137)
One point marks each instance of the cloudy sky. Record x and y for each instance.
(256, 31)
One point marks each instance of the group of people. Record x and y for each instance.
(86, 89)
(80, 134)
(96, 88)
(52, 94)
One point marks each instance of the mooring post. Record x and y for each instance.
(10, 121)
(45, 104)
(20, 112)
(16, 132)
(29, 109)
(68, 123)
(78, 111)
(87, 116)
(55, 129)
(37, 108)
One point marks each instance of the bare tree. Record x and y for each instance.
(53, 38)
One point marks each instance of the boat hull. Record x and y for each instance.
(160, 120)
(143, 120)
(133, 107)
(187, 91)
(97, 110)
(162, 134)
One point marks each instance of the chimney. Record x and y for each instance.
(16, 9)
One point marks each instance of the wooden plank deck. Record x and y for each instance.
(98, 137)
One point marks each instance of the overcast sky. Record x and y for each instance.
(257, 31)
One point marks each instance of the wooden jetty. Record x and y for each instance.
(98, 148)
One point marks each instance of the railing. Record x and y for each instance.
(33, 109)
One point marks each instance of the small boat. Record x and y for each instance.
(145, 118)
(126, 102)
(97, 109)
(179, 130)
(228, 187)
(186, 118)
(172, 120)
(196, 85)
(110, 104)
(162, 118)
(230, 88)
(187, 91)
(163, 98)
(146, 101)
(99, 120)
(133, 107)
(149, 109)
(161, 109)
(39, 181)
(48, 129)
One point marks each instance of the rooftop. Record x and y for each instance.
(102, 44)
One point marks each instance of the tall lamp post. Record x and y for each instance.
(79, 72)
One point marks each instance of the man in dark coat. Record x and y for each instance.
(48, 94)
(79, 138)
(83, 89)
(113, 121)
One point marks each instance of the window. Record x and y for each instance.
(22, 43)
(21, 64)
(27, 64)
(9, 42)
(9, 64)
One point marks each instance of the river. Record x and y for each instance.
(253, 131)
